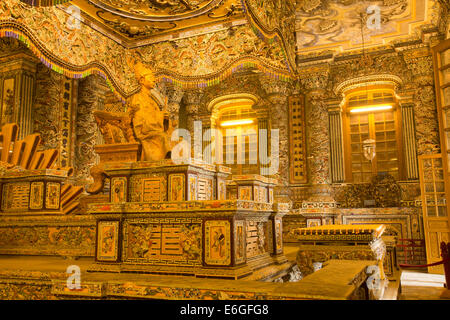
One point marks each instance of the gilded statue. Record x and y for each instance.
(147, 118)
(144, 122)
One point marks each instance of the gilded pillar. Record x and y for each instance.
(264, 149)
(17, 90)
(279, 121)
(91, 94)
(318, 138)
(336, 142)
(206, 139)
(54, 113)
(409, 140)
(192, 105)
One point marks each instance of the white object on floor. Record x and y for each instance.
(419, 279)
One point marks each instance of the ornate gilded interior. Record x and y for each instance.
(204, 145)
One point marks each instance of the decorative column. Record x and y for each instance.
(54, 113)
(90, 98)
(336, 142)
(17, 84)
(264, 149)
(279, 120)
(318, 137)
(419, 61)
(192, 103)
(173, 106)
(409, 138)
(206, 138)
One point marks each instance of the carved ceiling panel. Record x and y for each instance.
(135, 20)
(339, 24)
(153, 9)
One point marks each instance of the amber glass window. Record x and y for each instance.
(372, 116)
(246, 132)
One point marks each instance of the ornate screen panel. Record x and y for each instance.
(297, 139)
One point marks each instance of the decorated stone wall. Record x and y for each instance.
(80, 52)
(412, 64)
(92, 92)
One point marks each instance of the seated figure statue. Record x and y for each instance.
(148, 119)
(144, 123)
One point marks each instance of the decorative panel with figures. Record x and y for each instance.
(217, 242)
(297, 139)
(176, 187)
(37, 195)
(53, 194)
(119, 187)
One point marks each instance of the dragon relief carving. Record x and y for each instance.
(320, 22)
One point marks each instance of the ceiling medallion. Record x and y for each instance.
(157, 10)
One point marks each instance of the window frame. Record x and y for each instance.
(237, 169)
(370, 90)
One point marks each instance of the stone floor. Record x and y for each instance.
(332, 282)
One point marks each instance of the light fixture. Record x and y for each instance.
(369, 147)
(236, 122)
(371, 108)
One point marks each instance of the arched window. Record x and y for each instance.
(237, 121)
(239, 127)
(371, 119)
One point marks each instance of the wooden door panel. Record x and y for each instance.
(434, 203)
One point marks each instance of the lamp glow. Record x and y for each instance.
(236, 122)
(373, 108)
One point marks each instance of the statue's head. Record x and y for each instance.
(144, 75)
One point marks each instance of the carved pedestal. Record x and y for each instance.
(120, 152)
(166, 218)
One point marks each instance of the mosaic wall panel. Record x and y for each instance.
(192, 187)
(297, 139)
(152, 189)
(260, 194)
(28, 291)
(47, 240)
(222, 190)
(37, 195)
(163, 242)
(257, 238)
(144, 188)
(176, 187)
(205, 189)
(275, 17)
(15, 196)
(7, 100)
(66, 121)
(217, 242)
(108, 241)
(279, 235)
(77, 47)
(217, 50)
(52, 195)
(239, 236)
(180, 56)
(245, 193)
(119, 187)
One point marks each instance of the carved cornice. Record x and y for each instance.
(381, 79)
